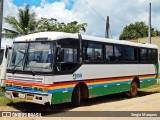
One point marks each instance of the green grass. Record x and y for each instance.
(154, 88)
(3, 100)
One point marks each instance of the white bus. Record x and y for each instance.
(56, 67)
(4, 58)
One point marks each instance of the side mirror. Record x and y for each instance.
(6, 53)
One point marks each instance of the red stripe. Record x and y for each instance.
(71, 82)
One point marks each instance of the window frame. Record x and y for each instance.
(61, 43)
(86, 42)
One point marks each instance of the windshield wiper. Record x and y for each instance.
(17, 64)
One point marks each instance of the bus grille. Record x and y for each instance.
(25, 79)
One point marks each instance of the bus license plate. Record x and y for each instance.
(21, 95)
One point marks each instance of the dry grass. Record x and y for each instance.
(5, 101)
(154, 88)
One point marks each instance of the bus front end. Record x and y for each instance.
(30, 71)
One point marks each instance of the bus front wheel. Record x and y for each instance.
(134, 89)
(76, 97)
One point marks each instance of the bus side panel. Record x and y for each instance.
(107, 90)
(146, 82)
(130, 69)
(61, 97)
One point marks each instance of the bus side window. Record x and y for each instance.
(118, 53)
(93, 52)
(67, 55)
(143, 54)
(154, 55)
(109, 53)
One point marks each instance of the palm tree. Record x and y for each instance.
(25, 24)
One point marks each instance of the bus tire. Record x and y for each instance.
(76, 97)
(134, 89)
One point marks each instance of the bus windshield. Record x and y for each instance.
(34, 56)
(17, 59)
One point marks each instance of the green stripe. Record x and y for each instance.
(61, 97)
(146, 83)
(157, 70)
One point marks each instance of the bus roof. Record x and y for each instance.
(61, 35)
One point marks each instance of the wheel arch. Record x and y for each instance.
(83, 90)
(136, 78)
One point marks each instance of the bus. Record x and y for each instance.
(57, 67)
(4, 58)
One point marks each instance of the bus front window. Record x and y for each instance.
(40, 57)
(18, 54)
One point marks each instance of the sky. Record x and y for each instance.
(92, 12)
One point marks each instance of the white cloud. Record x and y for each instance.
(55, 10)
(121, 12)
(94, 13)
(9, 9)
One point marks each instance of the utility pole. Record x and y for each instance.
(149, 28)
(1, 19)
(107, 28)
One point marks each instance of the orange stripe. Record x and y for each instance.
(76, 82)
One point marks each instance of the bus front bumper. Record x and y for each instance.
(30, 97)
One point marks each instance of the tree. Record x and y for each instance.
(52, 24)
(135, 31)
(25, 24)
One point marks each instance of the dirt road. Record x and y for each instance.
(118, 102)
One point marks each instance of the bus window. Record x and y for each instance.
(154, 55)
(118, 53)
(149, 55)
(93, 52)
(70, 55)
(40, 57)
(67, 55)
(98, 52)
(130, 53)
(109, 53)
(18, 54)
(143, 54)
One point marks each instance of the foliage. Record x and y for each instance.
(2, 94)
(25, 24)
(135, 31)
(52, 24)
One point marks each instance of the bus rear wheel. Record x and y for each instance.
(76, 97)
(134, 89)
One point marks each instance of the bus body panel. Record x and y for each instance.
(63, 86)
(101, 78)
